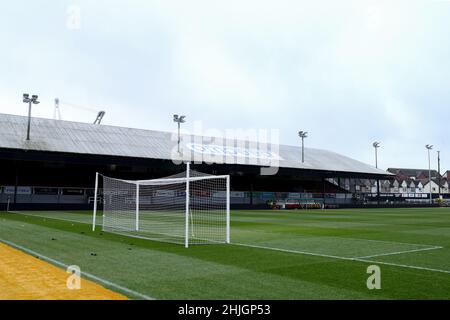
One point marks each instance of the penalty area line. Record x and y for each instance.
(403, 265)
(398, 252)
(85, 274)
(292, 251)
(345, 258)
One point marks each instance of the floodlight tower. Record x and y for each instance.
(57, 112)
(30, 101)
(303, 135)
(179, 120)
(376, 145)
(429, 147)
(439, 173)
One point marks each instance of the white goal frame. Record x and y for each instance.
(187, 214)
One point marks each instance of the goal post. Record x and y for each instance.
(137, 207)
(8, 201)
(187, 208)
(228, 210)
(94, 216)
(186, 214)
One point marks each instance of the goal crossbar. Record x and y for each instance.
(171, 180)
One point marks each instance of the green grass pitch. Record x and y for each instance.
(314, 254)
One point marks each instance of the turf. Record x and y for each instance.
(315, 254)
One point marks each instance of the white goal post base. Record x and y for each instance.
(187, 208)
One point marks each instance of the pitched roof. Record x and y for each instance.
(84, 138)
(421, 175)
(408, 173)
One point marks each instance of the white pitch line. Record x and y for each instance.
(342, 258)
(54, 218)
(403, 265)
(386, 241)
(292, 251)
(350, 238)
(398, 252)
(86, 274)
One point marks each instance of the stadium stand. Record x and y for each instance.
(56, 168)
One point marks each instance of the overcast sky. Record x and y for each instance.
(348, 72)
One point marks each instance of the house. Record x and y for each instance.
(412, 186)
(394, 188)
(407, 182)
(434, 187)
(385, 186)
(419, 187)
(418, 181)
(444, 185)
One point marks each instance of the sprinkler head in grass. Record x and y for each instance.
(93, 254)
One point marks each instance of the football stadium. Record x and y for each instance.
(211, 159)
(139, 214)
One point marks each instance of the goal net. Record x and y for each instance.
(187, 208)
